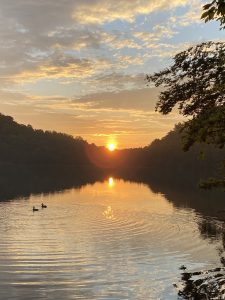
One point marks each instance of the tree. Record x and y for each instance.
(214, 10)
(195, 84)
(207, 127)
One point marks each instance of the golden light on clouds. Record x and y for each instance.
(106, 11)
(84, 72)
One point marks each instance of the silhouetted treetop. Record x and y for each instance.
(195, 81)
(215, 10)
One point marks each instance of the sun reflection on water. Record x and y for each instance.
(108, 213)
(111, 182)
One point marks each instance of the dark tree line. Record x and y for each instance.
(22, 145)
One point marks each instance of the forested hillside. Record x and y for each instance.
(162, 159)
(165, 160)
(22, 144)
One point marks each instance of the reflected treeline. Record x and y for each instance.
(213, 230)
(206, 284)
(182, 191)
(24, 181)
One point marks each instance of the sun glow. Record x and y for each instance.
(111, 146)
(111, 182)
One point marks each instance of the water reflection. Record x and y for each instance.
(108, 213)
(72, 251)
(23, 182)
(99, 242)
(111, 182)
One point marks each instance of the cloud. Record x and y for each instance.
(190, 17)
(166, 50)
(120, 115)
(158, 32)
(139, 99)
(55, 66)
(105, 11)
(118, 40)
(67, 40)
(121, 81)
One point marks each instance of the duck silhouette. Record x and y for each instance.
(43, 205)
(35, 209)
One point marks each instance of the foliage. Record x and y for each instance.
(207, 127)
(195, 82)
(215, 10)
(203, 285)
(211, 183)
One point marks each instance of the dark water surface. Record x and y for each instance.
(107, 240)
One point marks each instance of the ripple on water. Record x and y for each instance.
(82, 249)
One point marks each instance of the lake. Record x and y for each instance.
(109, 240)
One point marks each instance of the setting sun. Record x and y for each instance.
(111, 147)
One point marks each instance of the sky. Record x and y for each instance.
(79, 66)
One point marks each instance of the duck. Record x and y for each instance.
(183, 267)
(35, 209)
(43, 205)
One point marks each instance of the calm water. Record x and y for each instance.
(110, 240)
